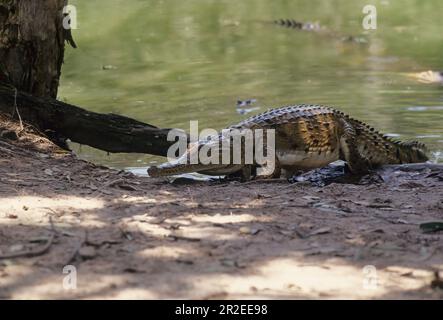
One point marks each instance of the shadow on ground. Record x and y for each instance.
(132, 237)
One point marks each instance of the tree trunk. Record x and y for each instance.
(32, 45)
(32, 39)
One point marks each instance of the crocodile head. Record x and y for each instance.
(176, 168)
(187, 164)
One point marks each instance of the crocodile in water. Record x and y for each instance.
(317, 28)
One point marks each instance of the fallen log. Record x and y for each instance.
(109, 132)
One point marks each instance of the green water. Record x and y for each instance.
(171, 61)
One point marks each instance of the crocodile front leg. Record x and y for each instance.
(272, 170)
(246, 173)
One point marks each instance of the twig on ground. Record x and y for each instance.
(77, 248)
(275, 180)
(4, 150)
(16, 110)
(115, 182)
(176, 238)
(34, 252)
(102, 243)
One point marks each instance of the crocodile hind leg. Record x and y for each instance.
(349, 150)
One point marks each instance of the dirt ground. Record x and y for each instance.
(142, 238)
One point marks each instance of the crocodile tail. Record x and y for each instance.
(411, 151)
(406, 151)
(380, 149)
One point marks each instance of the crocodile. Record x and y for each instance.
(317, 28)
(306, 137)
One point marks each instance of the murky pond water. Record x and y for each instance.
(171, 61)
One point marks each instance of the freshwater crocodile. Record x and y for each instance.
(319, 29)
(306, 137)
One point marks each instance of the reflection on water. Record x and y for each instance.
(167, 62)
(422, 108)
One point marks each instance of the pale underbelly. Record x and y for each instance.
(303, 160)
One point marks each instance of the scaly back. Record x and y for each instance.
(317, 120)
